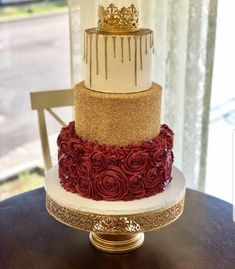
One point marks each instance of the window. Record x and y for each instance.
(34, 53)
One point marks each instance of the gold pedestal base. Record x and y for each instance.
(116, 244)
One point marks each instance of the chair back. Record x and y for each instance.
(46, 101)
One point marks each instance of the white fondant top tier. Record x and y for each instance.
(118, 63)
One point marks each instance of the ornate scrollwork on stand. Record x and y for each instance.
(114, 224)
(117, 224)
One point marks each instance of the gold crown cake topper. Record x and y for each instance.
(113, 19)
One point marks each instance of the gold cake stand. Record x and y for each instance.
(115, 227)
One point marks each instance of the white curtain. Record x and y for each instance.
(183, 64)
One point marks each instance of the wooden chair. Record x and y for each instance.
(46, 101)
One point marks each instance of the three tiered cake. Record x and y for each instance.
(116, 148)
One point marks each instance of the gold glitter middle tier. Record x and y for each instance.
(118, 62)
(117, 119)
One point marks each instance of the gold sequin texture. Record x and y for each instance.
(117, 119)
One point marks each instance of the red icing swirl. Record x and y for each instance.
(136, 162)
(110, 184)
(113, 173)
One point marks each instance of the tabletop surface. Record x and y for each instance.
(203, 237)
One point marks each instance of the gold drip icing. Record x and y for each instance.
(146, 44)
(90, 37)
(84, 46)
(114, 46)
(129, 47)
(112, 19)
(106, 56)
(97, 53)
(143, 39)
(153, 42)
(136, 38)
(141, 54)
(122, 48)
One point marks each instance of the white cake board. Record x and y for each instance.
(174, 192)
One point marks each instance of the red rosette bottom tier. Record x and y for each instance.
(113, 173)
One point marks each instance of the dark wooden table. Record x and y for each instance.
(204, 237)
